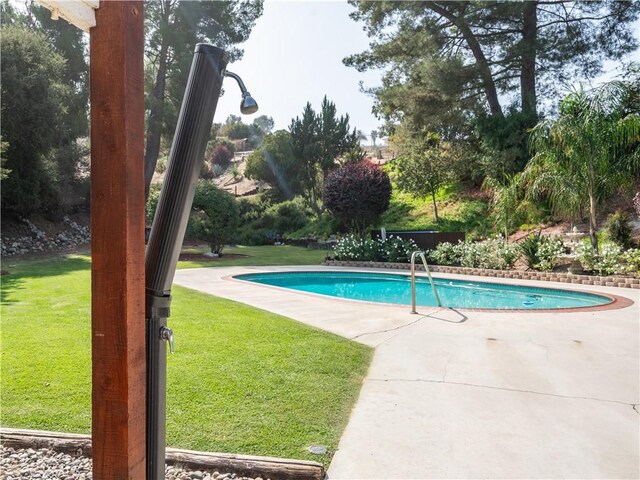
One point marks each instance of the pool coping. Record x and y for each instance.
(617, 301)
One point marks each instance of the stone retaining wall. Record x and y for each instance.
(625, 282)
(35, 239)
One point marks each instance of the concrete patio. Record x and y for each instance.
(466, 394)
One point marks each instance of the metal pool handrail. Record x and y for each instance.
(413, 279)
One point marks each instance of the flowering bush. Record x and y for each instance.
(632, 260)
(549, 249)
(445, 254)
(393, 249)
(609, 261)
(493, 253)
(350, 248)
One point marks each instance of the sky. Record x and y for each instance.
(294, 56)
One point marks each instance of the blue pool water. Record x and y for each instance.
(390, 288)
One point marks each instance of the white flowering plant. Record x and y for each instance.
(393, 249)
(610, 260)
(632, 261)
(549, 249)
(445, 253)
(493, 253)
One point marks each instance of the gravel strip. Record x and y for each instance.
(23, 464)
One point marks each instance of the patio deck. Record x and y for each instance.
(471, 394)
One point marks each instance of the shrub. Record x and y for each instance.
(351, 248)
(619, 230)
(217, 170)
(161, 165)
(248, 235)
(632, 260)
(221, 156)
(357, 194)
(393, 249)
(206, 171)
(493, 253)
(608, 261)
(152, 201)
(549, 249)
(214, 217)
(445, 254)
(587, 256)
(288, 216)
(529, 248)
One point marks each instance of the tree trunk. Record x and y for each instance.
(528, 68)
(154, 123)
(506, 227)
(489, 85)
(435, 206)
(593, 225)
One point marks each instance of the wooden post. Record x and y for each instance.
(117, 231)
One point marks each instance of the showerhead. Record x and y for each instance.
(248, 105)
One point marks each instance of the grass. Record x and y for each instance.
(257, 256)
(458, 211)
(242, 380)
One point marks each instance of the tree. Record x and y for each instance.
(68, 41)
(507, 202)
(424, 164)
(374, 137)
(357, 194)
(264, 124)
(448, 62)
(274, 162)
(4, 172)
(214, 216)
(35, 96)
(318, 140)
(236, 130)
(221, 155)
(582, 157)
(173, 28)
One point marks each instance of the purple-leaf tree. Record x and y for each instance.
(357, 194)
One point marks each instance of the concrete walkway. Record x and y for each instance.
(475, 394)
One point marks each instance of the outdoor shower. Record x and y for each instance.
(169, 226)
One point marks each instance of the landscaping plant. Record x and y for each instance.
(619, 229)
(355, 248)
(529, 247)
(549, 249)
(214, 216)
(357, 194)
(610, 260)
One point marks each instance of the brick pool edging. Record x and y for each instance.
(624, 282)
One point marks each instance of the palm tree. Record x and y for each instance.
(507, 202)
(582, 156)
(374, 136)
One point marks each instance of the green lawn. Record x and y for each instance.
(241, 381)
(258, 256)
(458, 211)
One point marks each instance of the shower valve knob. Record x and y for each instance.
(166, 334)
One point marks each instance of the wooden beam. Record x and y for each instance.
(77, 12)
(117, 241)
(242, 465)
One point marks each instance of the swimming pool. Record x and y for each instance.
(396, 289)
